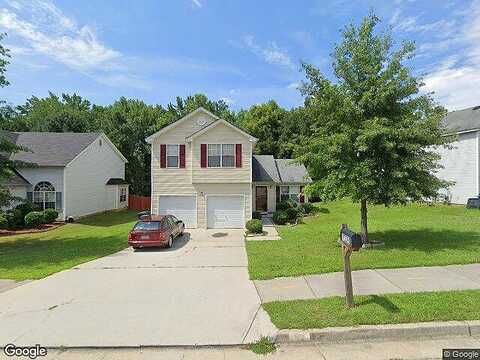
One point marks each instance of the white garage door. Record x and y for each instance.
(225, 211)
(183, 207)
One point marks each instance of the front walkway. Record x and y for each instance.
(372, 282)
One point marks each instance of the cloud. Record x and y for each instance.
(455, 80)
(271, 53)
(43, 29)
(293, 85)
(197, 3)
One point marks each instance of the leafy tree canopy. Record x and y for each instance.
(374, 133)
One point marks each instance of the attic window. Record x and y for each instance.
(100, 142)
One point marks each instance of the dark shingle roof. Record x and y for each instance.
(291, 172)
(16, 179)
(462, 120)
(49, 149)
(267, 169)
(116, 181)
(264, 168)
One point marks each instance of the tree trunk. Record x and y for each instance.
(363, 222)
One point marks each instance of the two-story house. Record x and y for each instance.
(204, 172)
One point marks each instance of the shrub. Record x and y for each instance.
(3, 222)
(255, 226)
(306, 208)
(16, 216)
(286, 204)
(50, 215)
(257, 215)
(280, 217)
(292, 214)
(34, 219)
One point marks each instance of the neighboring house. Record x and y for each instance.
(75, 173)
(202, 172)
(461, 163)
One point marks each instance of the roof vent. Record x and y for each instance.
(476, 107)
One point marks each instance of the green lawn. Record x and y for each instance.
(414, 235)
(376, 309)
(35, 256)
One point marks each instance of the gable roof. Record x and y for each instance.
(179, 121)
(291, 172)
(217, 122)
(264, 169)
(267, 169)
(52, 149)
(462, 120)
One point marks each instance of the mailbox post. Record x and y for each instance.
(350, 242)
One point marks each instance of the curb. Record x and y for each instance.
(384, 332)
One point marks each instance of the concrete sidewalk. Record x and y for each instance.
(371, 282)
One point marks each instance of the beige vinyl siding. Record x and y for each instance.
(193, 180)
(173, 181)
(222, 134)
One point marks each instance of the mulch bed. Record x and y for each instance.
(42, 228)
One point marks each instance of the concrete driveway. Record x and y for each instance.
(197, 293)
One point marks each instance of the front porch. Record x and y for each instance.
(266, 196)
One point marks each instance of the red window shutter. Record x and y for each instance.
(203, 155)
(238, 155)
(302, 196)
(182, 155)
(163, 155)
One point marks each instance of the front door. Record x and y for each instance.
(261, 198)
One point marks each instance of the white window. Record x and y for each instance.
(228, 155)
(221, 155)
(123, 194)
(45, 196)
(291, 192)
(214, 155)
(173, 156)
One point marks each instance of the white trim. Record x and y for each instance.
(195, 195)
(224, 195)
(215, 123)
(172, 125)
(166, 157)
(221, 156)
(103, 136)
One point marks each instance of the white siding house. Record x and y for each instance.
(461, 163)
(76, 173)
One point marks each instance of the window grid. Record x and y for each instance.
(220, 155)
(173, 156)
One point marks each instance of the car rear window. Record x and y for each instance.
(147, 226)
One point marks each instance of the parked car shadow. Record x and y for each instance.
(178, 243)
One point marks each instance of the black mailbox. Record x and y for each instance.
(350, 239)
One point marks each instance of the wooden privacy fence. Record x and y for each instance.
(138, 203)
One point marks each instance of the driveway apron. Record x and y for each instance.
(197, 293)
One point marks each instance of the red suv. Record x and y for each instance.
(155, 230)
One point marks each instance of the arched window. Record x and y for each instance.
(44, 195)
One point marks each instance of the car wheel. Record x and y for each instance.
(170, 241)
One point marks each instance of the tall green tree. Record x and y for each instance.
(67, 113)
(264, 121)
(374, 134)
(7, 147)
(128, 122)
